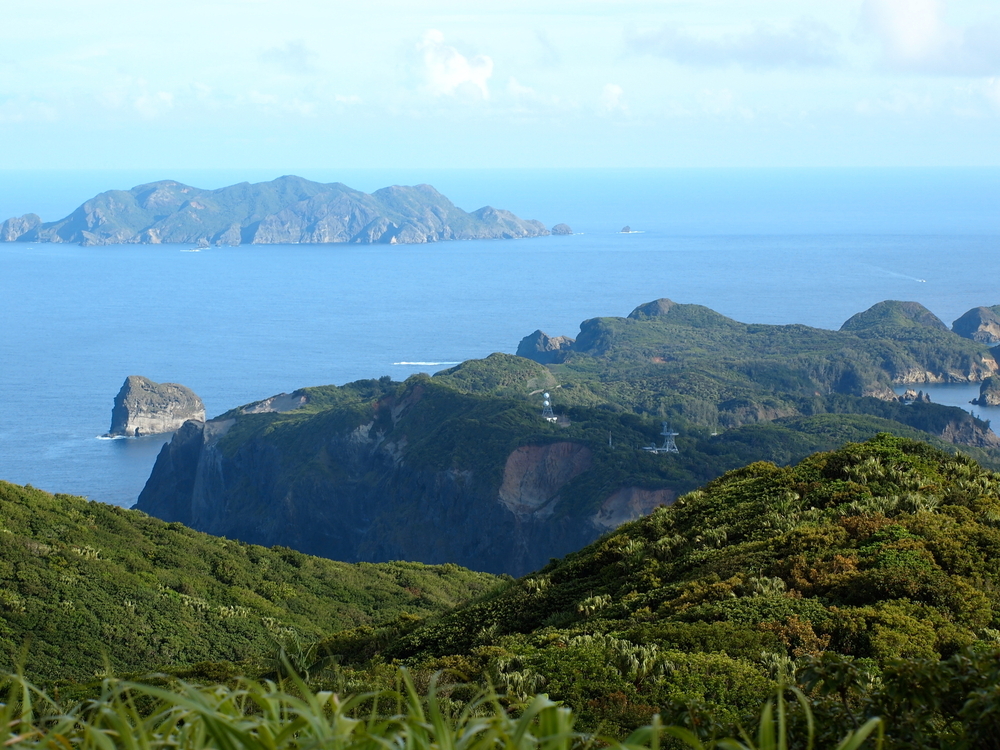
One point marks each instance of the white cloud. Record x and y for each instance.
(723, 102)
(976, 92)
(806, 43)
(515, 89)
(897, 102)
(256, 97)
(299, 107)
(15, 110)
(151, 106)
(294, 58)
(447, 71)
(549, 56)
(612, 99)
(271, 102)
(991, 90)
(915, 37)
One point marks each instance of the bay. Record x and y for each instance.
(240, 324)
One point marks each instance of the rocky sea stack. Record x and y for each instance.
(989, 392)
(143, 407)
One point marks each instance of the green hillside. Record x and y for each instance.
(876, 552)
(690, 362)
(82, 581)
(468, 419)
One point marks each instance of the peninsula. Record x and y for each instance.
(464, 466)
(288, 210)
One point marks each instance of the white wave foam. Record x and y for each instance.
(112, 437)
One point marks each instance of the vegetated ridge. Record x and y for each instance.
(832, 570)
(81, 582)
(460, 467)
(692, 362)
(285, 210)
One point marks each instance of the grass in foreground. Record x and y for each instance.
(267, 716)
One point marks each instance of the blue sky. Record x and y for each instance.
(222, 84)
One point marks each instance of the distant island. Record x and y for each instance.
(288, 210)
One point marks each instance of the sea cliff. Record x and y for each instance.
(365, 492)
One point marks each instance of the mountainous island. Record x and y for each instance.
(461, 467)
(288, 210)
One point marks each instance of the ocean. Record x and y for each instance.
(240, 324)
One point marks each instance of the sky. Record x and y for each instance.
(265, 84)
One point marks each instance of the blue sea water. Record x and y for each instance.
(240, 324)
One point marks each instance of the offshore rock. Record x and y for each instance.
(980, 324)
(143, 407)
(561, 229)
(989, 393)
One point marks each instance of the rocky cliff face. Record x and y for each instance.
(544, 349)
(288, 210)
(363, 499)
(15, 228)
(143, 407)
(980, 324)
(989, 393)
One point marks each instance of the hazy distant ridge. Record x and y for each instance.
(284, 211)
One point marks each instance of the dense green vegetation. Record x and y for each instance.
(687, 361)
(278, 717)
(447, 429)
(82, 582)
(870, 572)
(401, 458)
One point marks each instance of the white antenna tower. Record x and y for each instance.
(669, 446)
(547, 414)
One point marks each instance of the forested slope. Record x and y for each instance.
(82, 581)
(876, 552)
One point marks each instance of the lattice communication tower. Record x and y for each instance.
(547, 414)
(669, 446)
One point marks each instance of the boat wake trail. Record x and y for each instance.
(897, 274)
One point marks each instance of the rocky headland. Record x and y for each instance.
(288, 210)
(462, 467)
(980, 324)
(367, 483)
(143, 407)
